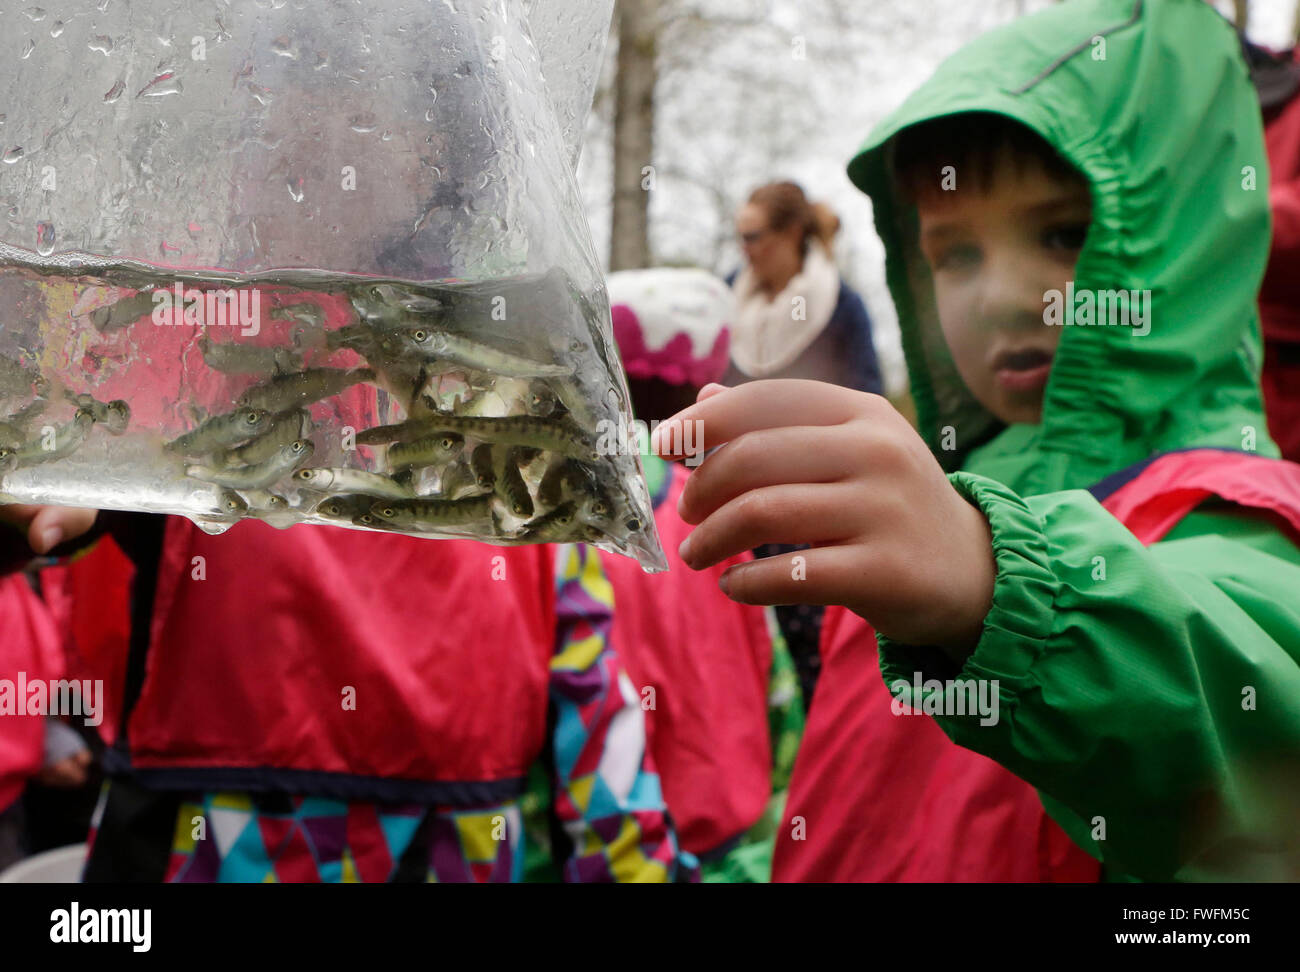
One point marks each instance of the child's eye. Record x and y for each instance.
(955, 258)
(1068, 237)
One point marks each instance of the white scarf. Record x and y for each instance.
(770, 334)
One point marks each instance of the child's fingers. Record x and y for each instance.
(803, 513)
(709, 390)
(823, 575)
(757, 405)
(768, 457)
(48, 526)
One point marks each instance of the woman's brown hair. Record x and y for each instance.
(786, 206)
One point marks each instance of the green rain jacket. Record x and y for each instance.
(1154, 704)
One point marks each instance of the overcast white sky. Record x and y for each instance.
(683, 228)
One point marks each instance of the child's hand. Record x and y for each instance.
(48, 526)
(810, 462)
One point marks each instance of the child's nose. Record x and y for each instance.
(1008, 296)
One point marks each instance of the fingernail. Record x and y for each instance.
(724, 582)
(684, 551)
(50, 538)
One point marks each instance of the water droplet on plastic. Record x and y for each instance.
(13, 155)
(212, 528)
(284, 48)
(101, 43)
(35, 14)
(164, 84)
(13, 212)
(44, 238)
(386, 137)
(115, 92)
(363, 124)
(260, 94)
(295, 190)
(2, 118)
(429, 115)
(102, 5)
(57, 28)
(28, 48)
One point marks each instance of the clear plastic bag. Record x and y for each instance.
(306, 262)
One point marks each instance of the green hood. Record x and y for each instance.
(1151, 102)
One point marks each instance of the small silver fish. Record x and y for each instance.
(126, 311)
(115, 416)
(540, 400)
(352, 481)
(414, 514)
(553, 435)
(560, 525)
(457, 480)
(284, 392)
(221, 432)
(480, 462)
(264, 501)
(283, 429)
(426, 451)
(343, 506)
(232, 358)
(510, 483)
(67, 439)
(260, 476)
(474, 354)
(230, 503)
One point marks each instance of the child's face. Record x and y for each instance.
(993, 252)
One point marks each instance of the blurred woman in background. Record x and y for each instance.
(795, 316)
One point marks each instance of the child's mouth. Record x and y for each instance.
(1021, 371)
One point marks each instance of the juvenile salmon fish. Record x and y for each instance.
(352, 481)
(480, 462)
(283, 429)
(426, 451)
(343, 506)
(67, 439)
(560, 525)
(510, 483)
(264, 501)
(126, 311)
(552, 435)
(474, 354)
(261, 475)
(115, 416)
(283, 392)
(222, 432)
(414, 514)
(233, 358)
(540, 400)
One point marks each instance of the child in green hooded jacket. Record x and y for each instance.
(1091, 515)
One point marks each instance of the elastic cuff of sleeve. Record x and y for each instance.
(1020, 619)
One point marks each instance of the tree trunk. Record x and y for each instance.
(634, 116)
